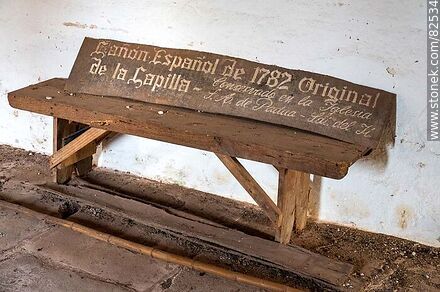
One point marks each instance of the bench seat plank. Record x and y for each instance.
(280, 146)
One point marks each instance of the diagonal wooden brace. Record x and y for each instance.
(81, 154)
(251, 186)
(78, 149)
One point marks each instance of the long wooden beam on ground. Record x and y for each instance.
(153, 252)
(312, 270)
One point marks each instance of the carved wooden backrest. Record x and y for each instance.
(232, 86)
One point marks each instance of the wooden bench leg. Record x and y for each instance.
(293, 197)
(77, 152)
(84, 165)
(61, 129)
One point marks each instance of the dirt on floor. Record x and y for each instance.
(381, 262)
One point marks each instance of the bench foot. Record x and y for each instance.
(293, 198)
(84, 166)
(290, 212)
(62, 128)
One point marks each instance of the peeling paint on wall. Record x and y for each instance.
(77, 24)
(405, 216)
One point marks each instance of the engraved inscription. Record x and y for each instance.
(220, 84)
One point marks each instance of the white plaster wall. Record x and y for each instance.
(353, 40)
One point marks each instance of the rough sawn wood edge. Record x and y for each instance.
(310, 153)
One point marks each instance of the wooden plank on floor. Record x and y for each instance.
(291, 258)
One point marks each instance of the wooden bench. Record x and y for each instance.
(87, 108)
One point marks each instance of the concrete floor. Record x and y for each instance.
(36, 256)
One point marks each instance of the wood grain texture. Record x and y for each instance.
(293, 195)
(286, 204)
(76, 145)
(277, 145)
(81, 154)
(84, 166)
(251, 186)
(61, 129)
(214, 83)
(302, 191)
(290, 257)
